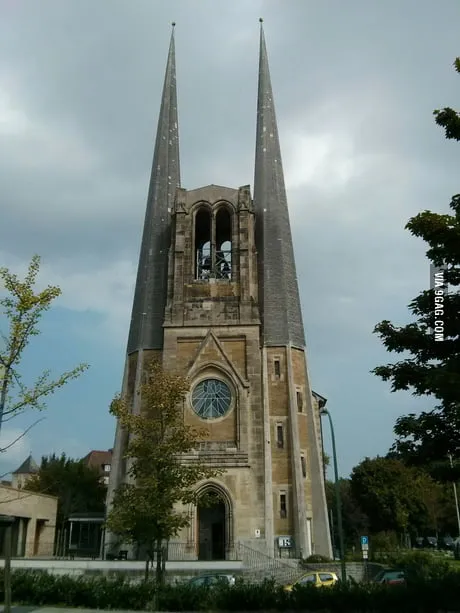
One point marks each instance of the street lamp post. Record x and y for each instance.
(455, 495)
(338, 499)
(7, 521)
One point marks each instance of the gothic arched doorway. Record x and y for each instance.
(212, 524)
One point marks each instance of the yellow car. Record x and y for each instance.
(318, 579)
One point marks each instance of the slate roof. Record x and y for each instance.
(28, 467)
(97, 459)
(146, 329)
(278, 288)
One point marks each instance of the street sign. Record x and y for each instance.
(284, 542)
(364, 541)
(365, 547)
(365, 554)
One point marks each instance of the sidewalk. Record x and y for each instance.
(38, 609)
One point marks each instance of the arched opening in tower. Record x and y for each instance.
(203, 255)
(223, 266)
(212, 520)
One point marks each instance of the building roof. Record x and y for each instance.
(321, 399)
(96, 458)
(146, 329)
(278, 288)
(28, 467)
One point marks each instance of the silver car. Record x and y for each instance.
(212, 580)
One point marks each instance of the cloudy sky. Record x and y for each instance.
(355, 86)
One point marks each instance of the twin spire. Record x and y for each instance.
(146, 329)
(278, 290)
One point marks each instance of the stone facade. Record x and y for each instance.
(219, 273)
(212, 330)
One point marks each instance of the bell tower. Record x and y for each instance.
(217, 300)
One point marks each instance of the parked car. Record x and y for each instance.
(390, 576)
(432, 542)
(447, 542)
(317, 578)
(212, 580)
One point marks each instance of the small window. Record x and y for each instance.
(325, 577)
(299, 401)
(277, 367)
(223, 234)
(283, 505)
(307, 579)
(304, 466)
(279, 436)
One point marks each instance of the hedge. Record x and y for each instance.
(418, 596)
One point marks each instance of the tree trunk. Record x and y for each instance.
(159, 569)
(156, 599)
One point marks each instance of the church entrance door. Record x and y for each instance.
(211, 529)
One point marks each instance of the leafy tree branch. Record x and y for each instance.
(22, 307)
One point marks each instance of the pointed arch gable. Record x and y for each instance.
(226, 366)
(219, 204)
(218, 488)
(201, 204)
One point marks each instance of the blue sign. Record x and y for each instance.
(364, 540)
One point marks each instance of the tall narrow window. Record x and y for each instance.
(223, 262)
(279, 436)
(203, 255)
(277, 367)
(304, 466)
(283, 505)
(299, 401)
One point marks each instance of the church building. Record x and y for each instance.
(217, 300)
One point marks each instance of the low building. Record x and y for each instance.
(84, 532)
(35, 521)
(21, 475)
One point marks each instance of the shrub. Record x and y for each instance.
(41, 588)
(383, 545)
(421, 565)
(437, 593)
(265, 596)
(184, 597)
(316, 558)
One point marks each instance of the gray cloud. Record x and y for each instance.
(355, 87)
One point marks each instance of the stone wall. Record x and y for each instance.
(358, 571)
(37, 519)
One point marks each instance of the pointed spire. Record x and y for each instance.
(278, 288)
(28, 467)
(146, 330)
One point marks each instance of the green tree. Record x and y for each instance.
(77, 486)
(355, 521)
(394, 497)
(433, 368)
(22, 307)
(163, 468)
